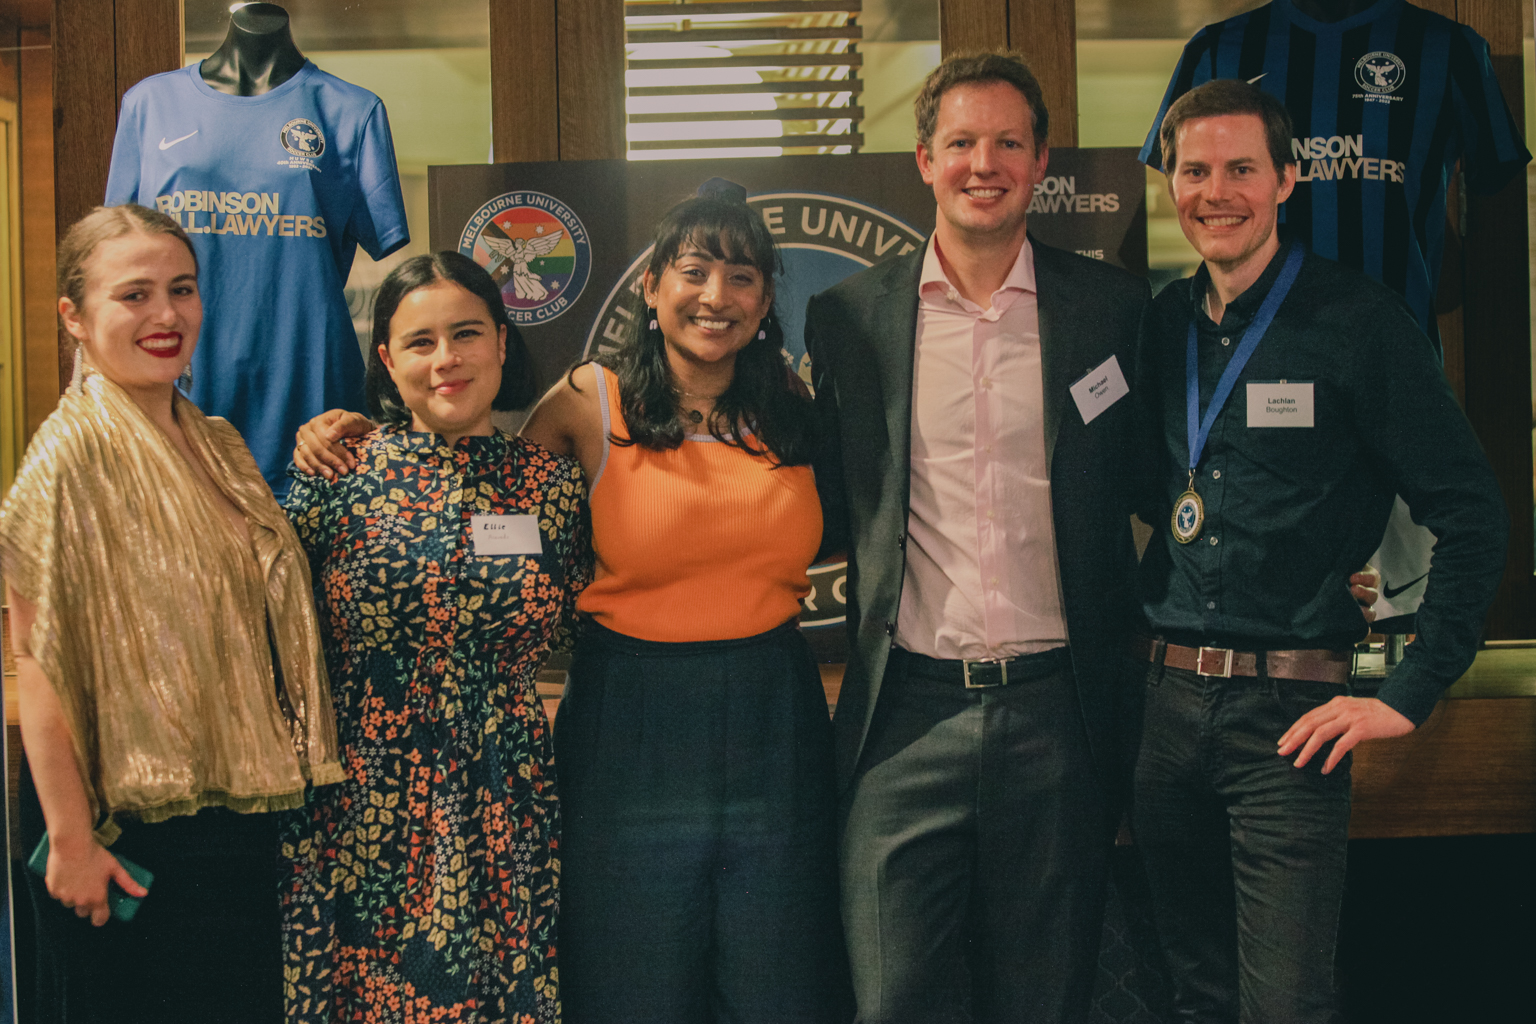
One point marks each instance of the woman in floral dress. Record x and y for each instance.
(446, 567)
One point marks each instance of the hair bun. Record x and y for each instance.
(723, 188)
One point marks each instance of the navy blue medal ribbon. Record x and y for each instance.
(1189, 512)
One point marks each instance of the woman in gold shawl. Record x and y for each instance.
(172, 693)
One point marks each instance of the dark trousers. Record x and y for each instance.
(204, 946)
(975, 849)
(698, 857)
(1244, 852)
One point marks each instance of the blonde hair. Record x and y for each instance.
(101, 225)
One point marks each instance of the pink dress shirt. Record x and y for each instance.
(981, 578)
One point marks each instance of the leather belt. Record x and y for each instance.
(986, 673)
(1318, 666)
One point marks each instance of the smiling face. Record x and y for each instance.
(982, 165)
(140, 311)
(708, 309)
(445, 355)
(1228, 192)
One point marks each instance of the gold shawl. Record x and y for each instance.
(153, 613)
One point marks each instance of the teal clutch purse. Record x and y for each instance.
(122, 905)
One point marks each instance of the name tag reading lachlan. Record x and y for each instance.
(1280, 405)
(506, 535)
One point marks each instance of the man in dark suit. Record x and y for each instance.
(978, 426)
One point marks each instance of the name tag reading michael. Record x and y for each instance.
(1103, 386)
(506, 535)
(1280, 405)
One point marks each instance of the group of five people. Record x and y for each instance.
(719, 850)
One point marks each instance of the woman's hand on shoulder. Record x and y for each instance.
(569, 421)
(79, 874)
(318, 449)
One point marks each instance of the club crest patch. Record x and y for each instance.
(1380, 72)
(536, 250)
(303, 138)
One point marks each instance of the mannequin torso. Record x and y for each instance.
(1331, 10)
(257, 55)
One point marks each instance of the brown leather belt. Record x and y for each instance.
(1318, 666)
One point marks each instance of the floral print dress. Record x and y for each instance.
(425, 887)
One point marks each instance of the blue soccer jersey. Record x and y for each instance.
(1383, 103)
(276, 192)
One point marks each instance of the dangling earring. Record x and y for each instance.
(653, 323)
(761, 334)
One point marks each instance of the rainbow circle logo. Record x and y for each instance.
(536, 250)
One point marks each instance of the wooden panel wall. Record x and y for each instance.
(525, 98)
(591, 79)
(1044, 31)
(148, 40)
(100, 49)
(1496, 314)
(557, 79)
(39, 322)
(85, 98)
(973, 25)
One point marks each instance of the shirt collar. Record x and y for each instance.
(934, 283)
(1242, 308)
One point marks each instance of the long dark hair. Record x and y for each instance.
(763, 411)
(384, 401)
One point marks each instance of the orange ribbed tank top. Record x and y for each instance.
(704, 542)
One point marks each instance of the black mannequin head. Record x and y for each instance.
(1331, 10)
(258, 53)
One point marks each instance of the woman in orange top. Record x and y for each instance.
(693, 747)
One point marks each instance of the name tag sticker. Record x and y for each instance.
(1280, 405)
(1102, 387)
(506, 535)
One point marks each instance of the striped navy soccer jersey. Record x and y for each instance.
(1383, 104)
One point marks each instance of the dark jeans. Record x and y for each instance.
(1244, 851)
(975, 851)
(698, 857)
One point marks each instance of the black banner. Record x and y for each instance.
(568, 242)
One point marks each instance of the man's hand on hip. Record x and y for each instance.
(1346, 721)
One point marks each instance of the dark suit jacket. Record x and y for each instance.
(861, 336)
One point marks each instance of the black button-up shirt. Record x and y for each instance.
(1290, 512)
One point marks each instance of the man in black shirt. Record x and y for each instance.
(1288, 399)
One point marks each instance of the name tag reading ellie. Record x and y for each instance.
(1102, 387)
(1280, 405)
(506, 535)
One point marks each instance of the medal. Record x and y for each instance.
(1188, 514)
(1189, 511)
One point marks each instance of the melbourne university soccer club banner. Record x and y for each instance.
(568, 242)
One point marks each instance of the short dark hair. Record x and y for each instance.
(384, 401)
(1218, 98)
(761, 393)
(980, 69)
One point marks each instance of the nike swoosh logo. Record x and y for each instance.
(1390, 592)
(184, 138)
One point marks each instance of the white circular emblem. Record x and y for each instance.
(1380, 72)
(302, 137)
(536, 250)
